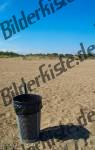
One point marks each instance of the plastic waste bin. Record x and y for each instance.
(28, 112)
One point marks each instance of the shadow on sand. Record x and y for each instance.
(64, 132)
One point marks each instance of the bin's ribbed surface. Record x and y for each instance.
(29, 127)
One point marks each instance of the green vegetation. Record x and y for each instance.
(40, 55)
(8, 54)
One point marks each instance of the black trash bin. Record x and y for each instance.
(28, 110)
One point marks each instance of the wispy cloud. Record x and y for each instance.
(16, 37)
(3, 6)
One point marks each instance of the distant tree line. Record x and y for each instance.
(9, 54)
(13, 54)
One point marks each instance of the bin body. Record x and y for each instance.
(28, 111)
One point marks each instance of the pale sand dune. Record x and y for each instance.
(63, 98)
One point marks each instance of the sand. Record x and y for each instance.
(63, 98)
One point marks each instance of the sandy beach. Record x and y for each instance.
(63, 99)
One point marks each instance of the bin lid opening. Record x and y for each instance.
(28, 98)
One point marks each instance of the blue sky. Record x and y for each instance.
(60, 32)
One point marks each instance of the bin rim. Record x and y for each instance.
(27, 98)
